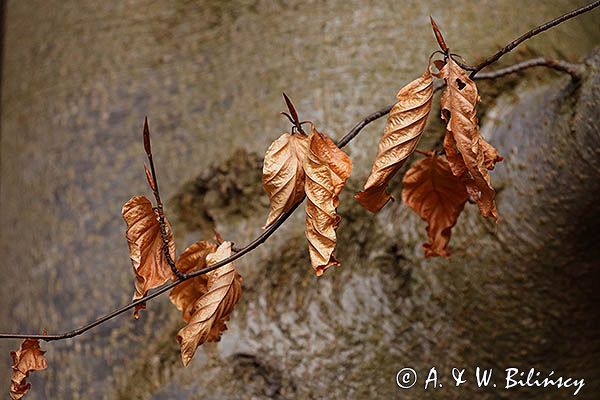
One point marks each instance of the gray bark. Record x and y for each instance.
(78, 79)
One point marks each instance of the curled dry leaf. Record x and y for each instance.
(184, 295)
(469, 155)
(430, 188)
(146, 247)
(403, 130)
(327, 168)
(212, 309)
(28, 358)
(283, 175)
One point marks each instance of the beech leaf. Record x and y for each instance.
(146, 247)
(463, 138)
(431, 189)
(327, 168)
(28, 358)
(212, 309)
(283, 175)
(184, 295)
(401, 135)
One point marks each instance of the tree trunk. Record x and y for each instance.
(77, 81)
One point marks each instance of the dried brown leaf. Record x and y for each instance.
(401, 135)
(213, 308)
(463, 138)
(327, 168)
(28, 358)
(184, 295)
(283, 175)
(145, 247)
(430, 188)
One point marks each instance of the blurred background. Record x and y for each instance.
(78, 77)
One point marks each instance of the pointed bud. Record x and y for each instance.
(292, 109)
(438, 35)
(147, 138)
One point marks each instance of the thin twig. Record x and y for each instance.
(495, 57)
(575, 70)
(272, 228)
(364, 122)
(159, 204)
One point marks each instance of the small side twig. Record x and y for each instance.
(159, 204)
(575, 70)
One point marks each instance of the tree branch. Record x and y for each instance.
(495, 57)
(558, 65)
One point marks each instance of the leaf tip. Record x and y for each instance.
(186, 358)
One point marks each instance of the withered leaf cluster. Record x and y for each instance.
(469, 155)
(436, 187)
(296, 165)
(207, 300)
(29, 358)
